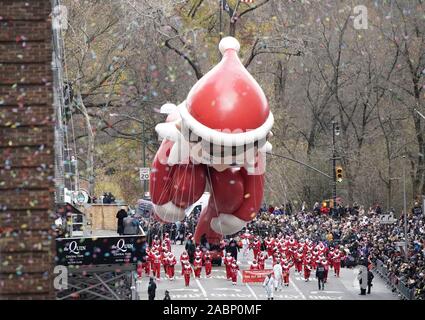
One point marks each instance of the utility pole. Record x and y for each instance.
(145, 182)
(333, 165)
(405, 210)
(220, 3)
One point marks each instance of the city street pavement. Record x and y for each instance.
(218, 288)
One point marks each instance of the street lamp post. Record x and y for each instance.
(405, 210)
(333, 164)
(145, 182)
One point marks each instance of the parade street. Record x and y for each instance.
(346, 287)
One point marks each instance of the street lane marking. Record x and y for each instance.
(247, 285)
(297, 289)
(200, 286)
(227, 289)
(183, 289)
(315, 292)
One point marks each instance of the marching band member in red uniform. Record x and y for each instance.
(286, 267)
(254, 266)
(187, 271)
(336, 259)
(156, 264)
(262, 260)
(151, 258)
(172, 261)
(197, 266)
(299, 257)
(156, 241)
(198, 253)
(207, 264)
(167, 241)
(228, 260)
(269, 246)
(146, 263)
(234, 272)
(256, 247)
(307, 269)
(164, 261)
(183, 258)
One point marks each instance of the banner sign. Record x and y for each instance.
(387, 219)
(102, 250)
(255, 275)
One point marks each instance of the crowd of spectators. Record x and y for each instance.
(361, 234)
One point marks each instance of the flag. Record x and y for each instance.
(225, 6)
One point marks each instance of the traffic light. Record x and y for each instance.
(339, 174)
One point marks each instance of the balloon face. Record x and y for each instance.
(216, 140)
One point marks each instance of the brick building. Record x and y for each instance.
(26, 150)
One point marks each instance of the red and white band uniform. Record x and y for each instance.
(254, 266)
(197, 266)
(256, 247)
(151, 258)
(234, 272)
(167, 243)
(187, 271)
(269, 246)
(285, 271)
(299, 256)
(156, 242)
(146, 262)
(198, 253)
(156, 264)
(262, 260)
(183, 258)
(164, 261)
(172, 261)
(228, 260)
(207, 264)
(337, 263)
(307, 269)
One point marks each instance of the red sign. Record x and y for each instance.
(255, 275)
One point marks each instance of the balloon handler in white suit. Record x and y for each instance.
(278, 276)
(268, 285)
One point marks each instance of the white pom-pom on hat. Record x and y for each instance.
(229, 43)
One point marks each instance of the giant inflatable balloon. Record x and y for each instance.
(216, 141)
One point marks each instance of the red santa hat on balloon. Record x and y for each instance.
(225, 108)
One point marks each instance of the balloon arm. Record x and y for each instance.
(253, 196)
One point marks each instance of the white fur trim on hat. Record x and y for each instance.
(227, 224)
(225, 138)
(229, 43)
(169, 212)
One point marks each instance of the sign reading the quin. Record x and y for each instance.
(95, 251)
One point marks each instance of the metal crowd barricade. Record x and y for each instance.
(393, 282)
